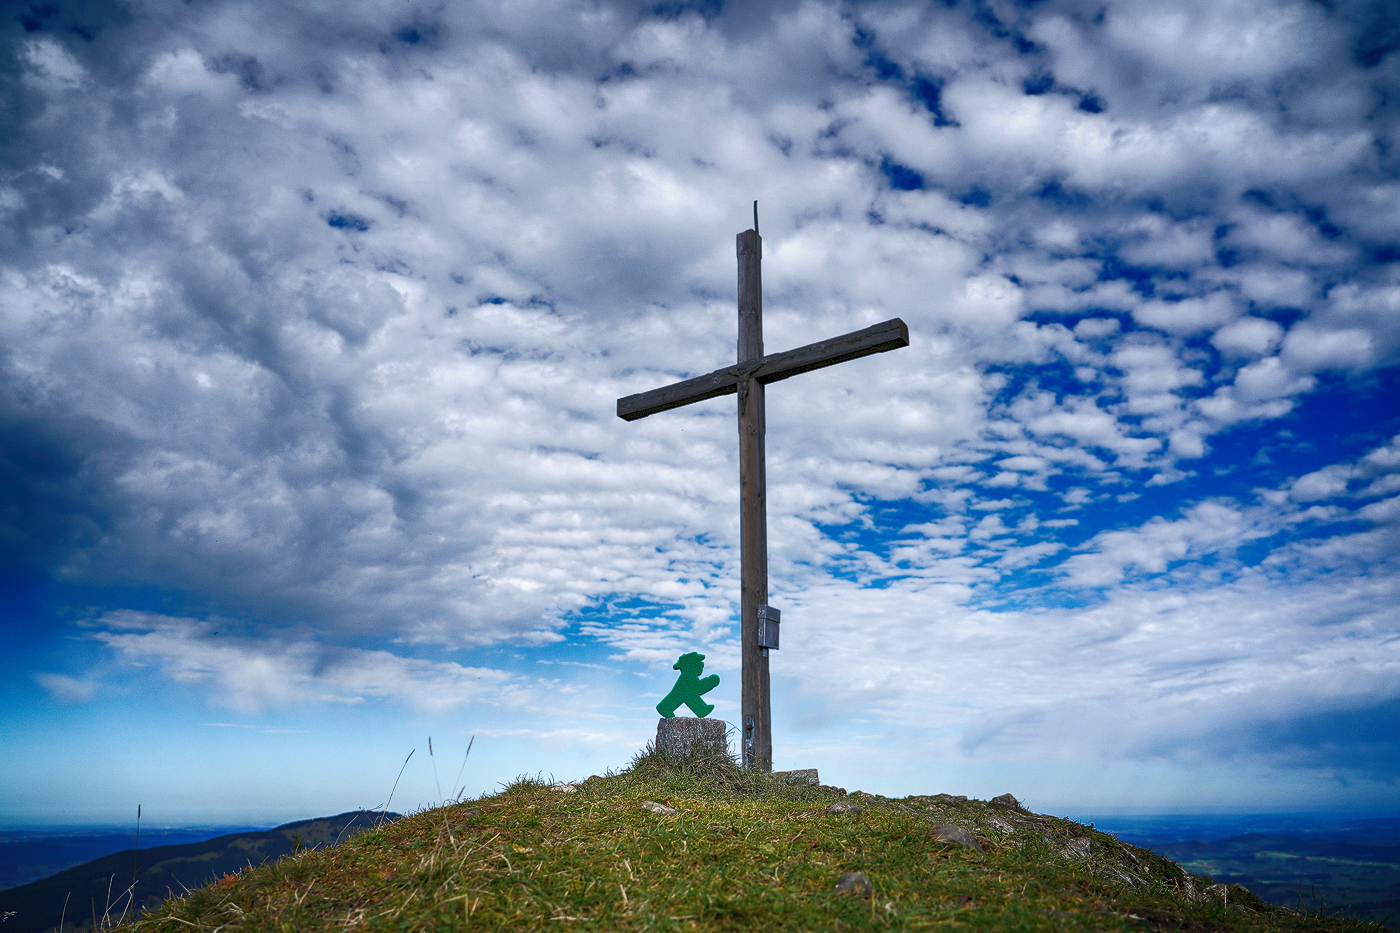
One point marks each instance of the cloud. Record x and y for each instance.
(50, 67)
(1188, 315)
(249, 674)
(1160, 544)
(65, 689)
(1248, 337)
(1204, 671)
(1326, 483)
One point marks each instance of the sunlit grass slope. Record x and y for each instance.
(743, 851)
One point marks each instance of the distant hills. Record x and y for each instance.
(1349, 876)
(1331, 864)
(30, 854)
(103, 887)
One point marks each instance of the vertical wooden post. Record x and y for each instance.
(757, 736)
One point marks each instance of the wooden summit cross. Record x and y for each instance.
(747, 378)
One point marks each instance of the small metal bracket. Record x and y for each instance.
(768, 619)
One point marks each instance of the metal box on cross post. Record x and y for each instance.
(768, 619)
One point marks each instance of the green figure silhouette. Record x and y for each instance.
(689, 687)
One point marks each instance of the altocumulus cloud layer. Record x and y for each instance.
(313, 323)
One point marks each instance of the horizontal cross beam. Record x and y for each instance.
(887, 335)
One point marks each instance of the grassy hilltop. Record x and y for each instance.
(741, 851)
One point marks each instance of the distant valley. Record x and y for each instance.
(1334, 876)
(30, 854)
(100, 887)
(1349, 868)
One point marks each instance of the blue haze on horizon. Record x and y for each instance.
(312, 327)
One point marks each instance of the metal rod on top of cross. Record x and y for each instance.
(748, 378)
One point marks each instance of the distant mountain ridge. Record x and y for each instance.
(88, 892)
(1336, 875)
(1210, 828)
(28, 854)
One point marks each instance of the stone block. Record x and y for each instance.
(681, 737)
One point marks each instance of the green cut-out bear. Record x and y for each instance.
(690, 687)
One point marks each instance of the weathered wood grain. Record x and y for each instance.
(712, 385)
(887, 335)
(877, 338)
(755, 733)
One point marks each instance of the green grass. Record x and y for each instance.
(744, 852)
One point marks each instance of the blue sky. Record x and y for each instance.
(312, 327)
